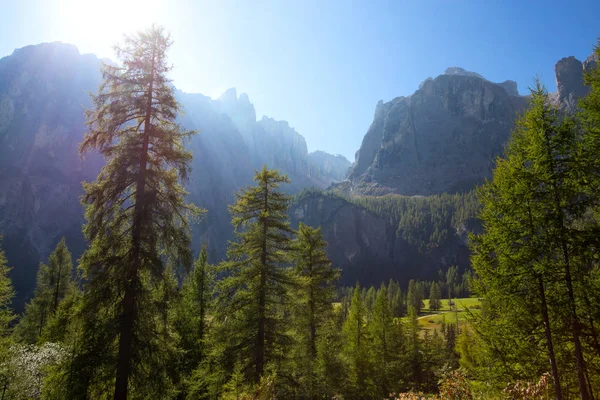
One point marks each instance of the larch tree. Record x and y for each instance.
(136, 211)
(315, 292)
(536, 247)
(257, 281)
(54, 283)
(435, 297)
(355, 350)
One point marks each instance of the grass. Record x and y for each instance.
(430, 320)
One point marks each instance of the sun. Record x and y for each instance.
(96, 25)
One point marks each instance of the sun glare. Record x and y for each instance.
(96, 25)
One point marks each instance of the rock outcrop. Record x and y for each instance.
(442, 138)
(328, 167)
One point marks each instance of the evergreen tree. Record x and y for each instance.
(533, 257)
(386, 346)
(54, 283)
(315, 296)
(451, 279)
(256, 282)
(414, 297)
(136, 210)
(6, 295)
(356, 348)
(435, 297)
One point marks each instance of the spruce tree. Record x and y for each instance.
(136, 211)
(54, 283)
(414, 296)
(256, 281)
(315, 293)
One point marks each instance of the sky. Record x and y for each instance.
(322, 65)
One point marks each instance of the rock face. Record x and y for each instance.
(368, 248)
(42, 99)
(569, 82)
(443, 138)
(43, 93)
(334, 168)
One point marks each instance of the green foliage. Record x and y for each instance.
(533, 259)
(355, 349)
(249, 305)
(435, 297)
(137, 217)
(54, 284)
(315, 292)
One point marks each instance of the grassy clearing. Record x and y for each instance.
(431, 320)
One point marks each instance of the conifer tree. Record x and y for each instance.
(414, 297)
(435, 297)
(6, 295)
(382, 333)
(136, 209)
(54, 283)
(356, 348)
(533, 256)
(257, 282)
(315, 292)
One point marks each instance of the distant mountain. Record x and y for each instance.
(424, 152)
(43, 94)
(446, 136)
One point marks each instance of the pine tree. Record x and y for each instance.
(256, 282)
(315, 292)
(435, 297)
(54, 283)
(136, 208)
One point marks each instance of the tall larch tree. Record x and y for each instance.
(257, 280)
(538, 243)
(316, 291)
(136, 211)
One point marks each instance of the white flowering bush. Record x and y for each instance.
(26, 366)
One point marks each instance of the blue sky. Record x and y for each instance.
(322, 65)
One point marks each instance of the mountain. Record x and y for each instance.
(442, 138)
(445, 137)
(44, 90)
(401, 210)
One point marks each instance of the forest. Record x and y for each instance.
(139, 316)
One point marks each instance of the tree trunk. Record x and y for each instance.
(549, 344)
(128, 304)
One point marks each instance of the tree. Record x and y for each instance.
(191, 319)
(54, 283)
(414, 296)
(435, 297)
(136, 211)
(315, 292)
(451, 280)
(256, 282)
(534, 255)
(356, 347)
(385, 342)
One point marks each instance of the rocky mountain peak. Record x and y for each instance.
(569, 81)
(461, 71)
